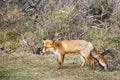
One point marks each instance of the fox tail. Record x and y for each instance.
(97, 56)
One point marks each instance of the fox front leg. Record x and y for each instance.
(60, 61)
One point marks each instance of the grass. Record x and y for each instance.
(25, 66)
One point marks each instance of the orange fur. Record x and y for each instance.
(82, 47)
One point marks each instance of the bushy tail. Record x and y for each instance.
(97, 56)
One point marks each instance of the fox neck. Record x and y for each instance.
(55, 52)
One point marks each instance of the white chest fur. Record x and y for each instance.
(54, 51)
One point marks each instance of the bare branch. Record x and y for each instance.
(23, 39)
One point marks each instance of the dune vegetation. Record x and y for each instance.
(24, 23)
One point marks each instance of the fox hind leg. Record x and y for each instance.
(83, 61)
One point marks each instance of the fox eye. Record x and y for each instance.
(50, 43)
(46, 47)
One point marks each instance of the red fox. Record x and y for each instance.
(86, 50)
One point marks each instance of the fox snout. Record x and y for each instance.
(43, 50)
(105, 67)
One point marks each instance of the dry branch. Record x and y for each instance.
(23, 39)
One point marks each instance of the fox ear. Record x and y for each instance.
(53, 40)
(44, 39)
(58, 39)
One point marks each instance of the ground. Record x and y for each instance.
(27, 66)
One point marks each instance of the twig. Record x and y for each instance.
(107, 30)
(23, 39)
(84, 32)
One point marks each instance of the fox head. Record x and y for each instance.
(47, 45)
(51, 46)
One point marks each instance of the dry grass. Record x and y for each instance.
(25, 66)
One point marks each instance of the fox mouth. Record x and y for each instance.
(49, 51)
(55, 52)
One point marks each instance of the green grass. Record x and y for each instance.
(24, 66)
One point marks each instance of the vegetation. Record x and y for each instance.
(24, 23)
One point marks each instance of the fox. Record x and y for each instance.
(84, 48)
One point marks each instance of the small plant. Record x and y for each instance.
(9, 40)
